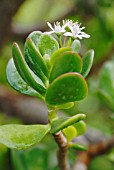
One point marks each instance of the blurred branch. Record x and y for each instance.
(7, 11)
(94, 150)
(30, 110)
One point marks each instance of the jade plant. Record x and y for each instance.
(51, 69)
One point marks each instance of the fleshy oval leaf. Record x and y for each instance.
(57, 53)
(47, 44)
(66, 62)
(68, 87)
(76, 45)
(63, 122)
(17, 82)
(35, 60)
(35, 36)
(22, 137)
(80, 127)
(23, 69)
(70, 132)
(87, 62)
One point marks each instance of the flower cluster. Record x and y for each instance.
(74, 28)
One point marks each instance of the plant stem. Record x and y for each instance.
(62, 151)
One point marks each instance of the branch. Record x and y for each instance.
(62, 152)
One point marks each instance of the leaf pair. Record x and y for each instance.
(22, 137)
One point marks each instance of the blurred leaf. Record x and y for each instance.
(106, 84)
(33, 159)
(22, 137)
(68, 87)
(17, 82)
(24, 70)
(87, 62)
(47, 44)
(63, 122)
(76, 45)
(78, 147)
(66, 62)
(57, 53)
(80, 127)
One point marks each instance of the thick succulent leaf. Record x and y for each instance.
(65, 106)
(22, 137)
(68, 87)
(47, 44)
(87, 62)
(57, 53)
(63, 122)
(76, 45)
(78, 147)
(23, 70)
(106, 84)
(66, 62)
(35, 36)
(17, 82)
(80, 127)
(70, 132)
(35, 60)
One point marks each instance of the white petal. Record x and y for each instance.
(68, 34)
(50, 26)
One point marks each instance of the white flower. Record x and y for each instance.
(57, 28)
(68, 23)
(76, 31)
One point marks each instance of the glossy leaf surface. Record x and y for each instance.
(35, 60)
(68, 87)
(22, 137)
(66, 62)
(63, 122)
(17, 82)
(87, 62)
(23, 69)
(76, 45)
(57, 53)
(47, 44)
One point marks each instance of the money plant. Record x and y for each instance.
(51, 69)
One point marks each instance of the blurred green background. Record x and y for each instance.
(20, 18)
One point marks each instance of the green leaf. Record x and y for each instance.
(106, 84)
(63, 122)
(80, 127)
(66, 62)
(76, 45)
(70, 132)
(24, 71)
(22, 137)
(78, 147)
(65, 106)
(35, 60)
(35, 36)
(17, 82)
(47, 44)
(87, 62)
(57, 53)
(68, 87)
